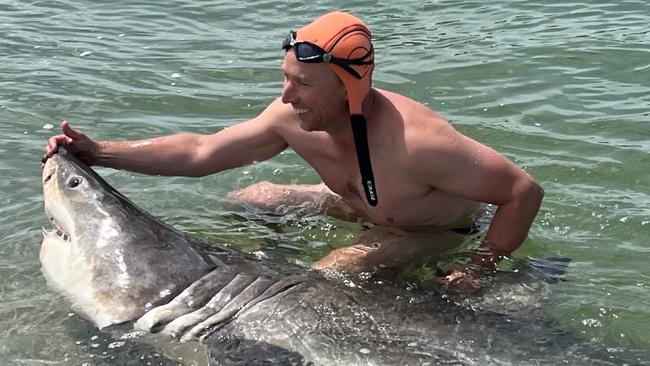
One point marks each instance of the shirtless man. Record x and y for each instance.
(382, 157)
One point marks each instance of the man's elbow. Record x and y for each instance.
(201, 159)
(533, 193)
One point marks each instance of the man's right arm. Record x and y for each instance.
(183, 154)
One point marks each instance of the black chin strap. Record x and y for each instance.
(363, 156)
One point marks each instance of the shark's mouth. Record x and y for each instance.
(57, 231)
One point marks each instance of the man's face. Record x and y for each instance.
(316, 94)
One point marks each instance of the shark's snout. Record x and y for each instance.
(49, 169)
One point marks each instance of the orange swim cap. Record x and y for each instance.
(346, 37)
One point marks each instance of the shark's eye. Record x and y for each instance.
(74, 182)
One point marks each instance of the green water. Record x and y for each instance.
(562, 88)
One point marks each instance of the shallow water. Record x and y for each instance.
(561, 88)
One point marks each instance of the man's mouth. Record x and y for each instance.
(300, 111)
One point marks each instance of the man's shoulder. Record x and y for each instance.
(416, 119)
(427, 136)
(411, 110)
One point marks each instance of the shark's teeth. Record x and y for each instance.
(56, 230)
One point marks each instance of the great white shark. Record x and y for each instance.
(121, 268)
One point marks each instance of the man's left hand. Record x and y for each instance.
(459, 281)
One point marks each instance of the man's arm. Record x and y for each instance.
(466, 168)
(183, 154)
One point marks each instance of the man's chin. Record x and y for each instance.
(307, 125)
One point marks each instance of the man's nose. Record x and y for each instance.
(288, 94)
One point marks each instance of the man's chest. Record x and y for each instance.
(401, 201)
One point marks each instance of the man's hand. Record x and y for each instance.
(458, 281)
(75, 142)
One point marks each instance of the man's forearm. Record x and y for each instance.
(509, 227)
(166, 155)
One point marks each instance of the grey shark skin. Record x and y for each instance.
(113, 259)
(119, 265)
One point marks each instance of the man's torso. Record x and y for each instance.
(403, 202)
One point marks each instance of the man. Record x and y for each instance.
(382, 157)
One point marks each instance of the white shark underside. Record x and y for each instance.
(120, 266)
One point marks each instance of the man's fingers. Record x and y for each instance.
(67, 139)
(70, 132)
(50, 149)
(53, 145)
(458, 282)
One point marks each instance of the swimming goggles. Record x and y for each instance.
(311, 53)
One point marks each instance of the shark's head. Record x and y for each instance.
(111, 259)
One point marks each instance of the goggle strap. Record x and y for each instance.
(360, 133)
(345, 63)
(360, 60)
(357, 61)
(346, 67)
